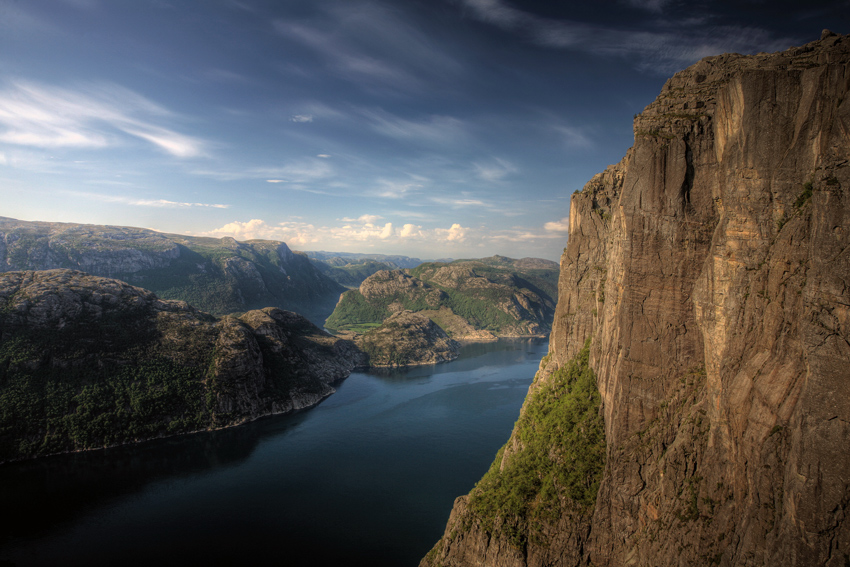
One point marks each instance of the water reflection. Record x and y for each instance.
(63, 487)
(368, 477)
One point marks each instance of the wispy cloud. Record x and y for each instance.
(173, 204)
(301, 118)
(372, 45)
(572, 137)
(435, 129)
(96, 116)
(494, 170)
(158, 203)
(656, 6)
(460, 202)
(660, 45)
(391, 189)
(296, 171)
(16, 20)
(227, 76)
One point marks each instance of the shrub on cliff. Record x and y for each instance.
(559, 459)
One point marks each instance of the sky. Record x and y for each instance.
(434, 129)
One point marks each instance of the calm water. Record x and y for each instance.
(366, 478)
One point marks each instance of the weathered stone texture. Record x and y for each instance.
(711, 267)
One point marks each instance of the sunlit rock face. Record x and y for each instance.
(711, 270)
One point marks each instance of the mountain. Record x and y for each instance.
(469, 299)
(89, 362)
(219, 276)
(694, 407)
(406, 338)
(348, 274)
(351, 269)
(345, 258)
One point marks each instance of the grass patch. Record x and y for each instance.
(805, 196)
(560, 461)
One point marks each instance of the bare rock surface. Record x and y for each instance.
(88, 362)
(711, 269)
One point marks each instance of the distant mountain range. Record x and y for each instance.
(337, 259)
(216, 275)
(350, 269)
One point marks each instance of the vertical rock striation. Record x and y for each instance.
(711, 270)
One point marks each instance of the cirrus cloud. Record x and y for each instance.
(95, 116)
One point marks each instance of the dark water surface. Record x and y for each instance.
(366, 478)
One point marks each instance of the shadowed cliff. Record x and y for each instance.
(89, 362)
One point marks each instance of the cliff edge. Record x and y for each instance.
(710, 272)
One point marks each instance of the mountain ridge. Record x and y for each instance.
(215, 275)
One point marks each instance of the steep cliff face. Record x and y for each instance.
(217, 275)
(88, 362)
(711, 270)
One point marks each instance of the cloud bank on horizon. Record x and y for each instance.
(433, 129)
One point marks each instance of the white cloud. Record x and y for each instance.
(301, 118)
(456, 233)
(297, 233)
(364, 219)
(562, 225)
(94, 117)
(323, 156)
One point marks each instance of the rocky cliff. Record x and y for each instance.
(469, 299)
(88, 362)
(710, 271)
(216, 275)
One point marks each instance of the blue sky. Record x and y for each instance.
(440, 128)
